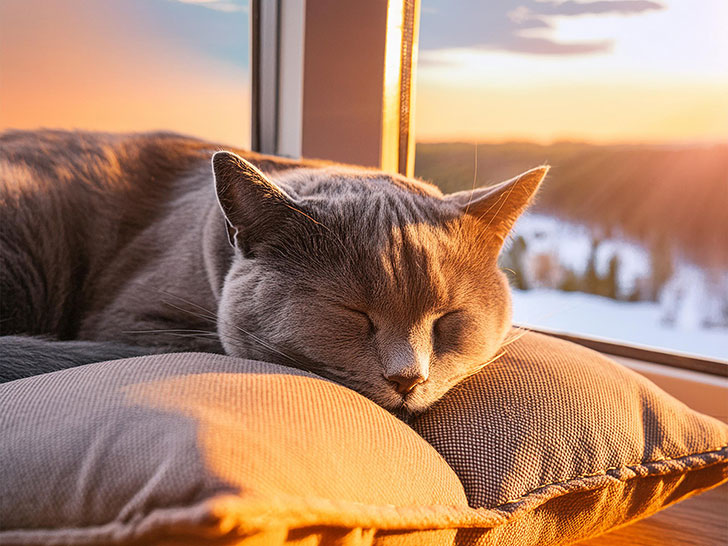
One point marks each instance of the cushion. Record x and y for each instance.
(562, 444)
(550, 444)
(182, 447)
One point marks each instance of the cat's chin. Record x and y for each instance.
(408, 411)
(408, 406)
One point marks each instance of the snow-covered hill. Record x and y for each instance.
(615, 288)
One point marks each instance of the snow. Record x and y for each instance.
(638, 323)
(570, 243)
(553, 253)
(570, 246)
(695, 298)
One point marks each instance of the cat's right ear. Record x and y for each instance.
(252, 204)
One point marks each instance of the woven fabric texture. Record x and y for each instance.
(579, 441)
(552, 443)
(212, 447)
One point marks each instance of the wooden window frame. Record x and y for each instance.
(334, 79)
(661, 357)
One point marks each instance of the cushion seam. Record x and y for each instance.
(628, 466)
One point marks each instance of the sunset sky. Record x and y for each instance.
(126, 65)
(615, 70)
(603, 70)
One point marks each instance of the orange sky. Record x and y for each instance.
(110, 66)
(655, 75)
(61, 69)
(586, 111)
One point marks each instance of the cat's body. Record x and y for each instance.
(97, 228)
(125, 238)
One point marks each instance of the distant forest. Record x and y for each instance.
(672, 199)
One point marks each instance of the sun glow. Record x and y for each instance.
(660, 80)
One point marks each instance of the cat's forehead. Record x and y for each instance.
(390, 239)
(372, 200)
(409, 269)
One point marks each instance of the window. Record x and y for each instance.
(625, 100)
(127, 65)
(628, 101)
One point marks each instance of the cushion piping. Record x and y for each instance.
(628, 466)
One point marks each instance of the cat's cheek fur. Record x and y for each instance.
(237, 314)
(501, 314)
(483, 345)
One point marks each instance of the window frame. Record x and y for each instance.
(299, 108)
(661, 357)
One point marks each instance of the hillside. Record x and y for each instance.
(667, 198)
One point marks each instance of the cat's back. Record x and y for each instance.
(69, 201)
(82, 165)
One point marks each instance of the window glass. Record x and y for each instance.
(628, 101)
(127, 65)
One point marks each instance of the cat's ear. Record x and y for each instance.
(498, 207)
(253, 205)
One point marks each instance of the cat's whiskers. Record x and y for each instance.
(212, 317)
(215, 319)
(195, 334)
(472, 190)
(178, 332)
(209, 318)
(210, 314)
(475, 178)
(265, 344)
(169, 331)
(478, 368)
(516, 337)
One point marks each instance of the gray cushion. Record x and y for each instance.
(210, 449)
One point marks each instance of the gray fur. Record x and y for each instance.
(376, 281)
(24, 354)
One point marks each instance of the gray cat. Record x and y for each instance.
(376, 281)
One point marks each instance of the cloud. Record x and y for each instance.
(228, 6)
(544, 46)
(520, 26)
(572, 7)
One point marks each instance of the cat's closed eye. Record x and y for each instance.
(362, 318)
(447, 330)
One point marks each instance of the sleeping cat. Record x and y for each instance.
(373, 280)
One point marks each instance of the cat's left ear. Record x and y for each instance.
(498, 207)
(253, 205)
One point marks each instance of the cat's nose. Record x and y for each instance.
(405, 384)
(405, 366)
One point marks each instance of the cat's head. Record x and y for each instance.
(376, 281)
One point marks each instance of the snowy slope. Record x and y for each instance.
(638, 323)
